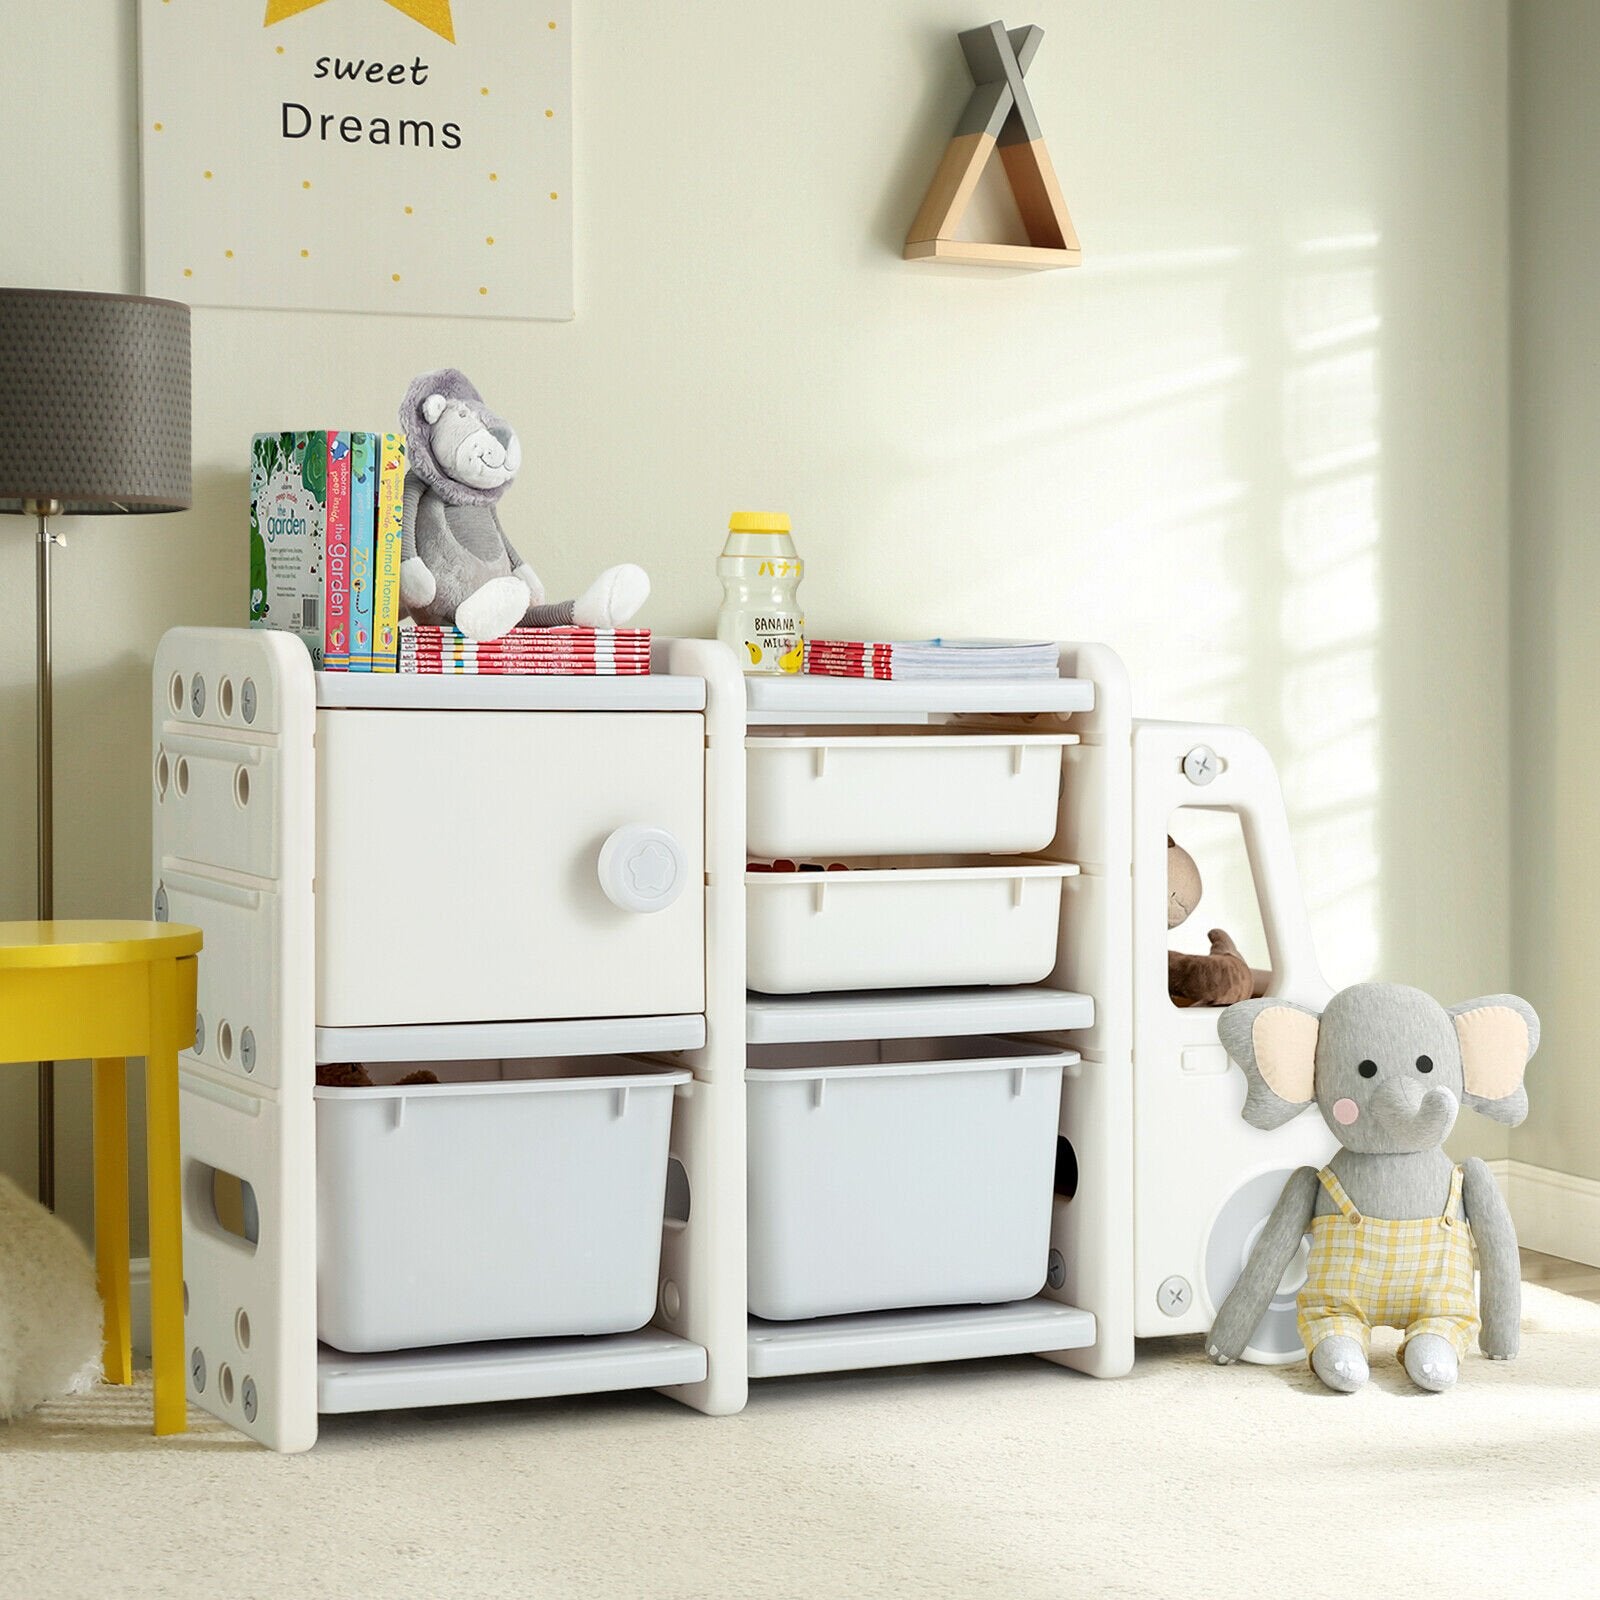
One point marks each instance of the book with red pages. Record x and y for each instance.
(578, 652)
(932, 658)
(504, 669)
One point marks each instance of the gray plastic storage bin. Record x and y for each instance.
(513, 1200)
(911, 1172)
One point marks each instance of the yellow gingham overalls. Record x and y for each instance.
(1366, 1272)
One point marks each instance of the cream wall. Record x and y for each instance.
(1556, 508)
(1257, 442)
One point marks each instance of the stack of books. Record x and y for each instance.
(580, 652)
(325, 513)
(932, 658)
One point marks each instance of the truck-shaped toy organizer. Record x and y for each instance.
(644, 1112)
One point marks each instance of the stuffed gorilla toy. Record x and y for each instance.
(457, 566)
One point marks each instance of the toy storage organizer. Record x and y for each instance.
(910, 1139)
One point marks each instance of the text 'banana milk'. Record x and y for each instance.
(760, 619)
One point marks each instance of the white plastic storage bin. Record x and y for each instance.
(911, 1172)
(902, 927)
(512, 1200)
(909, 792)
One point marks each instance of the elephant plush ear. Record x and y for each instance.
(1275, 1042)
(1498, 1035)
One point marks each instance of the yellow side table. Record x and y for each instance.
(105, 991)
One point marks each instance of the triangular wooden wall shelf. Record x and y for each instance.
(999, 113)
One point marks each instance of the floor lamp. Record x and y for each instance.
(94, 419)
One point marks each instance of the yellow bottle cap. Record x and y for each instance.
(758, 522)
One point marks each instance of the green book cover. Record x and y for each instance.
(288, 532)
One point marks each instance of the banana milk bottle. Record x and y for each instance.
(760, 619)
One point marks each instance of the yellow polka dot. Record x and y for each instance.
(494, 177)
(305, 183)
(552, 27)
(483, 91)
(228, 254)
(208, 172)
(188, 272)
(408, 211)
(482, 290)
(156, 126)
(554, 195)
(548, 112)
(489, 239)
(394, 277)
(280, 49)
(304, 254)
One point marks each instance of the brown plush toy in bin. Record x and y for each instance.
(352, 1075)
(1222, 978)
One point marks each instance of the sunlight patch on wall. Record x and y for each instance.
(1330, 309)
(1334, 607)
(1325, 524)
(1331, 613)
(1330, 406)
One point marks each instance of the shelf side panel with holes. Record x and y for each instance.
(233, 715)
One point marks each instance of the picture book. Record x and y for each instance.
(336, 568)
(557, 652)
(300, 540)
(932, 658)
(386, 552)
(363, 513)
(288, 534)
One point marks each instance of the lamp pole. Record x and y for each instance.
(44, 752)
(94, 420)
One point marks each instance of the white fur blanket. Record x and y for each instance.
(49, 1307)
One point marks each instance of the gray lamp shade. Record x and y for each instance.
(94, 401)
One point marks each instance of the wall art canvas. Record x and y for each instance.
(408, 156)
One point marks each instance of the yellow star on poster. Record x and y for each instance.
(434, 14)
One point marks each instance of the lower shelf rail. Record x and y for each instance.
(466, 1374)
(902, 1338)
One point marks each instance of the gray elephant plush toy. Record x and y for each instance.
(457, 567)
(1389, 1217)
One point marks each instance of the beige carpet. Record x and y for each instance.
(1007, 1478)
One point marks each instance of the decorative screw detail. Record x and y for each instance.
(197, 695)
(197, 1369)
(249, 1397)
(247, 699)
(1174, 1296)
(247, 1050)
(1201, 766)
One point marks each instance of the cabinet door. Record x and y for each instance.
(459, 872)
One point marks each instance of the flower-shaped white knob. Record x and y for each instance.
(642, 869)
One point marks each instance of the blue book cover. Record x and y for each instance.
(363, 523)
